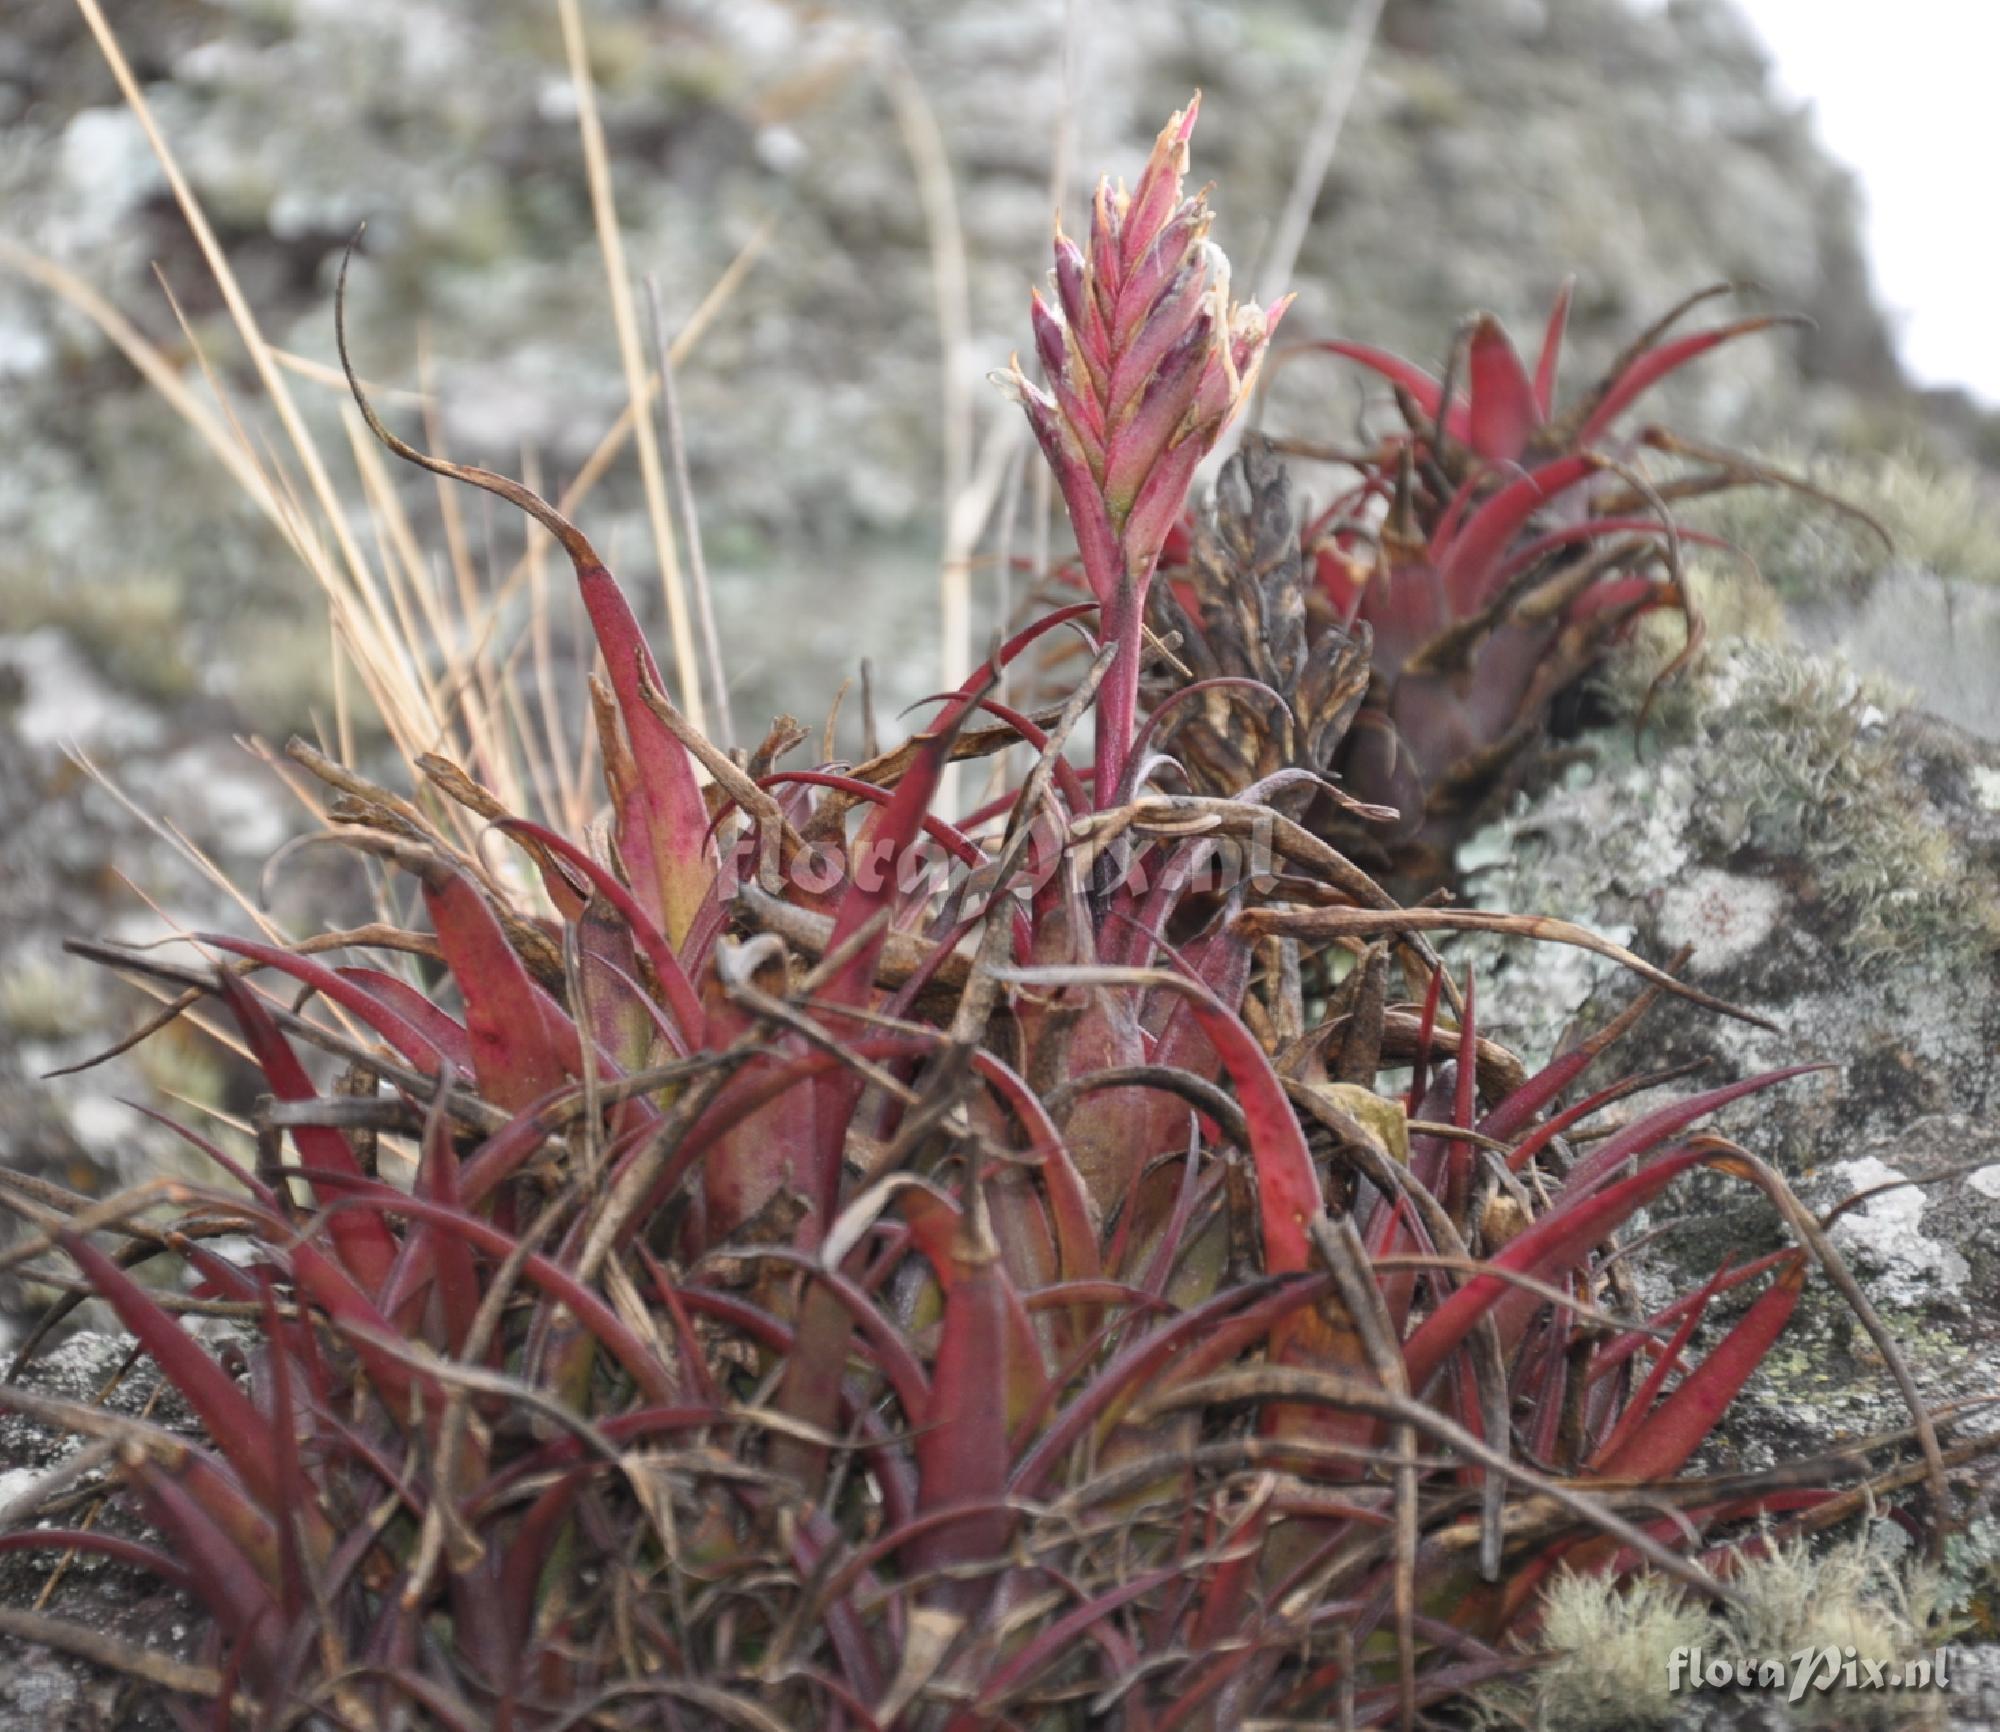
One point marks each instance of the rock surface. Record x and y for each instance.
(1491, 151)
(1834, 861)
(1835, 866)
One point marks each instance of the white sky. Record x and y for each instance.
(1905, 94)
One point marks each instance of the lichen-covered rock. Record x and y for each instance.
(1803, 834)
(1917, 604)
(1833, 862)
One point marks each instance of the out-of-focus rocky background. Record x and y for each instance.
(1838, 872)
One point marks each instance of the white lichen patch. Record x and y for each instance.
(1611, 1646)
(1986, 1181)
(1986, 788)
(1724, 916)
(1619, 827)
(1886, 1235)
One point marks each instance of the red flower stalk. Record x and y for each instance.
(1147, 360)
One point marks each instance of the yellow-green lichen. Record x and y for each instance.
(1939, 518)
(1609, 1647)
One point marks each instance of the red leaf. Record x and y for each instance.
(1424, 390)
(876, 865)
(1614, 1353)
(1667, 1363)
(128, 1552)
(443, 1032)
(1070, 1212)
(364, 1241)
(591, 1311)
(227, 1415)
(1556, 1244)
(1649, 369)
(415, 1046)
(937, 1229)
(292, 1491)
(1549, 363)
(682, 1000)
(670, 862)
(459, 1291)
(961, 1447)
(1143, 1362)
(1504, 413)
(1288, 1190)
(329, 1286)
(1463, 567)
(232, 1589)
(1656, 1127)
(1426, 1027)
(1465, 1100)
(522, 1045)
(1053, 1641)
(1676, 1428)
(1590, 529)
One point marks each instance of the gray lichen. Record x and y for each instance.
(1795, 762)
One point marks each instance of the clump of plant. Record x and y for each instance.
(1482, 558)
(824, 1263)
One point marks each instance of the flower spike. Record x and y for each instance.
(1148, 361)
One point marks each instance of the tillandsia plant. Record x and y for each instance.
(1148, 360)
(1482, 559)
(856, 1269)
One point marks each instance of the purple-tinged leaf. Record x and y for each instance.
(363, 1241)
(682, 1001)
